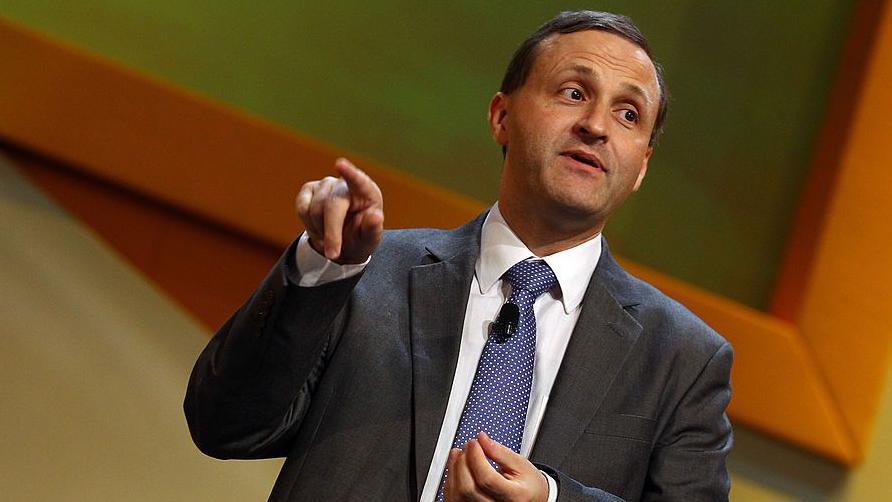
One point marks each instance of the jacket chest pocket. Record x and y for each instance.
(613, 454)
(622, 426)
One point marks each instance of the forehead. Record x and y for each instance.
(601, 51)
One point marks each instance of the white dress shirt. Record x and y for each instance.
(556, 314)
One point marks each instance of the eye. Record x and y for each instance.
(629, 115)
(572, 93)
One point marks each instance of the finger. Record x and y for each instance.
(334, 214)
(370, 225)
(486, 478)
(459, 481)
(321, 190)
(359, 183)
(456, 487)
(508, 460)
(302, 201)
(450, 489)
(315, 211)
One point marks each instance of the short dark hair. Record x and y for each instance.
(570, 22)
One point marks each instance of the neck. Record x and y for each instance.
(545, 235)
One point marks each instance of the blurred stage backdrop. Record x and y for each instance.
(156, 146)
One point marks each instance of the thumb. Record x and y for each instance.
(508, 460)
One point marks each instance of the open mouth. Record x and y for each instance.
(585, 158)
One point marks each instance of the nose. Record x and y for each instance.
(591, 126)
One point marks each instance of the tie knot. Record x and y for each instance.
(532, 276)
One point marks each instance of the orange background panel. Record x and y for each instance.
(831, 147)
(846, 315)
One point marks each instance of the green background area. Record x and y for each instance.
(407, 83)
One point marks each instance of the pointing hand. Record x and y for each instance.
(343, 217)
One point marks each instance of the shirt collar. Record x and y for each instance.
(500, 249)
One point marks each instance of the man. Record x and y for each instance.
(370, 359)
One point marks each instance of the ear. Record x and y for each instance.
(498, 110)
(643, 170)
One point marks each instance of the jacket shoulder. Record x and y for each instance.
(432, 243)
(411, 243)
(673, 324)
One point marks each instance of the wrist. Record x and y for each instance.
(343, 259)
(346, 260)
(551, 491)
(543, 487)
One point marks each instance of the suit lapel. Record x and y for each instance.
(602, 339)
(438, 293)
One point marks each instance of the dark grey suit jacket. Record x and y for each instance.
(350, 381)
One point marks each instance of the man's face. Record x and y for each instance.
(577, 130)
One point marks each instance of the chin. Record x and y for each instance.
(572, 199)
(578, 209)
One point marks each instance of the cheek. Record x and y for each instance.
(634, 153)
(539, 121)
(640, 143)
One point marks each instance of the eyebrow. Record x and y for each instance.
(632, 89)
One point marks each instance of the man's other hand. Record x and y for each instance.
(471, 477)
(343, 217)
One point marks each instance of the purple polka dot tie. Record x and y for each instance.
(500, 393)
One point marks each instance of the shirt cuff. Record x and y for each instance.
(316, 270)
(552, 487)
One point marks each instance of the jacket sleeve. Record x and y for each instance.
(688, 461)
(570, 490)
(252, 385)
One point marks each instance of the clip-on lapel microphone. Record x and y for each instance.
(506, 323)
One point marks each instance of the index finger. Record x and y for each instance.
(358, 182)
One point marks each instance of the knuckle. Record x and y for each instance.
(315, 209)
(465, 492)
(338, 191)
(335, 193)
(487, 482)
